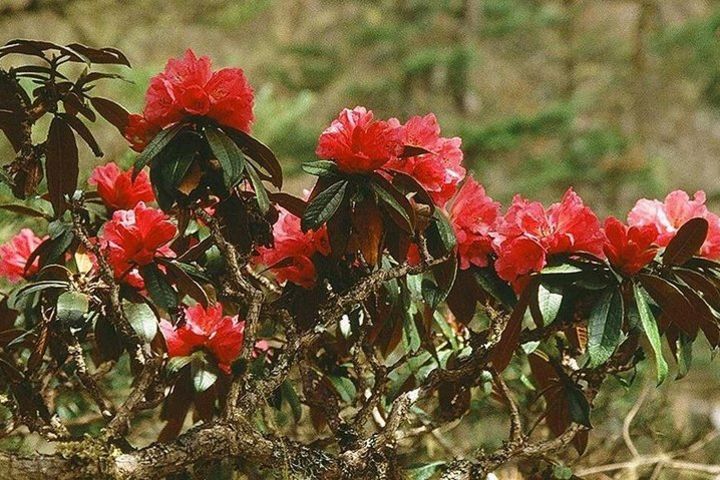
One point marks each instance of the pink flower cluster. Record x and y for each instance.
(15, 254)
(291, 257)
(358, 143)
(529, 233)
(668, 216)
(205, 329)
(189, 87)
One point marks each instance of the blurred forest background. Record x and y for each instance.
(618, 98)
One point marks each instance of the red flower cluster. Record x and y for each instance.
(189, 87)
(670, 215)
(208, 330)
(15, 253)
(290, 258)
(629, 249)
(439, 171)
(358, 143)
(134, 238)
(117, 189)
(473, 216)
(528, 233)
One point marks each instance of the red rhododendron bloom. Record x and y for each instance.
(629, 249)
(358, 143)
(134, 238)
(473, 216)
(291, 257)
(439, 171)
(528, 234)
(139, 132)
(15, 253)
(670, 215)
(209, 330)
(189, 87)
(117, 189)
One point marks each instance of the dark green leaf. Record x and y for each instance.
(142, 319)
(396, 204)
(71, 306)
(260, 153)
(344, 387)
(156, 146)
(231, 158)
(489, 281)
(578, 405)
(291, 397)
(445, 230)
(24, 210)
(157, 285)
(604, 327)
(202, 377)
(549, 302)
(40, 286)
(649, 326)
(320, 168)
(411, 336)
(260, 192)
(324, 206)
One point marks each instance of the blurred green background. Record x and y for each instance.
(618, 98)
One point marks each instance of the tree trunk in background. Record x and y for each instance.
(645, 81)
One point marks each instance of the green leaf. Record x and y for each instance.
(291, 397)
(202, 377)
(24, 210)
(489, 281)
(157, 285)
(42, 285)
(387, 199)
(176, 363)
(231, 158)
(344, 387)
(424, 472)
(142, 319)
(562, 472)
(562, 269)
(174, 169)
(156, 146)
(447, 234)
(411, 336)
(578, 406)
(324, 206)
(605, 326)
(549, 302)
(71, 306)
(320, 168)
(260, 192)
(649, 326)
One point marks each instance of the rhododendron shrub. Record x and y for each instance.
(394, 296)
